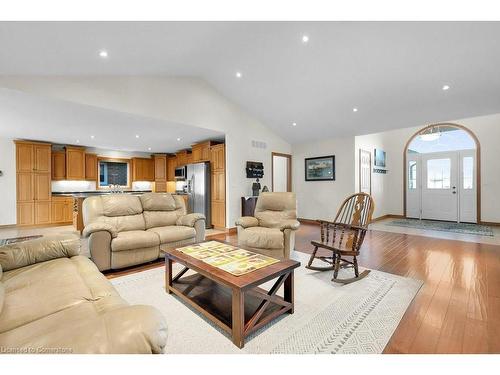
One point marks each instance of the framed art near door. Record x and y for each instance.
(320, 168)
(365, 171)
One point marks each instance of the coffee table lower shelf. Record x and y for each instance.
(236, 311)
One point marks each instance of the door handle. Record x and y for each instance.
(453, 192)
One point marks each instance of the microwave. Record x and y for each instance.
(180, 173)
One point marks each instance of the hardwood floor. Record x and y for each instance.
(457, 310)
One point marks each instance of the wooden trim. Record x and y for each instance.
(478, 164)
(387, 216)
(490, 223)
(116, 160)
(289, 171)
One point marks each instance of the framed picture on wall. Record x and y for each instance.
(321, 168)
(379, 158)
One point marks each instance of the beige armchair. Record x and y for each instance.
(272, 230)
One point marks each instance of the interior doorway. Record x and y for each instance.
(281, 171)
(442, 175)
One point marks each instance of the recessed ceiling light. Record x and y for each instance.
(77, 141)
(137, 136)
(92, 136)
(305, 39)
(103, 54)
(238, 75)
(294, 124)
(149, 148)
(355, 110)
(178, 139)
(446, 87)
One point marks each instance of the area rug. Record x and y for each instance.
(444, 226)
(7, 241)
(329, 318)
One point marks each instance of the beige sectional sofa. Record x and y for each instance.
(126, 230)
(54, 301)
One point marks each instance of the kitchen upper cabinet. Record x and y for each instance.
(24, 157)
(91, 167)
(58, 165)
(182, 158)
(160, 167)
(75, 163)
(143, 169)
(42, 158)
(171, 164)
(201, 151)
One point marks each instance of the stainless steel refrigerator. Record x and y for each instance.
(198, 189)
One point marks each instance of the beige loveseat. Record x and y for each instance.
(272, 230)
(54, 301)
(125, 230)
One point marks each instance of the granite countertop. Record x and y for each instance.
(85, 194)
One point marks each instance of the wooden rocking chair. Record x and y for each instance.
(344, 236)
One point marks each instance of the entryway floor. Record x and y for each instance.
(384, 225)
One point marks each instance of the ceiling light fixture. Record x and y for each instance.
(178, 139)
(92, 136)
(294, 124)
(137, 135)
(149, 148)
(305, 39)
(238, 75)
(103, 54)
(77, 141)
(446, 87)
(355, 110)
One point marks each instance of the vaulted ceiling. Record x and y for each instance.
(393, 73)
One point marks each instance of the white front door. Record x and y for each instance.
(440, 186)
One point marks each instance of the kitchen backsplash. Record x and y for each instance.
(72, 186)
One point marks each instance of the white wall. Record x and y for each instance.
(7, 182)
(183, 100)
(322, 199)
(388, 189)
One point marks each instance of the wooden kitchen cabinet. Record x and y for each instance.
(201, 151)
(182, 158)
(62, 210)
(218, 185)
(91, 167)
(171, 165)
(33, 182)
(75, 163)
(58, 165)
(143, 169)
(160, 172)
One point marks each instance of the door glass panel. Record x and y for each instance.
(438, 173)
(468, 172)
(412, 175)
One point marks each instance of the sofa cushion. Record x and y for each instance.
(121, 205)
(155, 219)
(134, 239)
(157, 202)
(42, 289)
(174, 233)
(2, 296)
(125, 223)
(261, 237)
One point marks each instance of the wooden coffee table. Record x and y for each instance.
(235, 303)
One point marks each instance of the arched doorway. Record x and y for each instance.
(442, 174)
